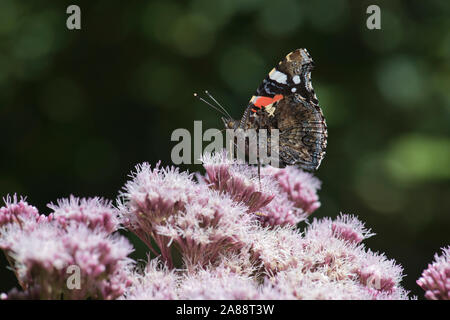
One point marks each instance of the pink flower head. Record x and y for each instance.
(211, 224)
(342, 258)
(281, 211)
(312, 285)
(20, 212)
(37, 253)
(151, 198)
(156, 193)
(93, 251)
(345, 227)
(240, 262)
(276, 249)
(103, 260)
(317, 285)
(350, 228)
(94, 213)
(238, 180)
(157, 282)
(323, 251)
(378, 273)
(41, 257)
(435, 280)
(217, 284)
(301, 187)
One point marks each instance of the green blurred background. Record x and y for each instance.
(79, 109)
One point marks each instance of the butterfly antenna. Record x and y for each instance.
(210, 104)
(217, 102)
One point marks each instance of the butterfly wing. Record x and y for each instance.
(291, 75)
(303, 133)
(285, 100)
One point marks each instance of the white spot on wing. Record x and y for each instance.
(294, 89)
(296, 79)
(278, 76)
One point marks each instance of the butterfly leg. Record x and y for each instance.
(257, 156)
(259, 174)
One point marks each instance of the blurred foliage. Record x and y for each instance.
(79, 109)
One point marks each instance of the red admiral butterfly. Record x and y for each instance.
(286, 101)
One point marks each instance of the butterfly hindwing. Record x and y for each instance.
(303, 135)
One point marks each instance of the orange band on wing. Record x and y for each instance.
(265, 101)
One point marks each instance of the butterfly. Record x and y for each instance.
(286, 101)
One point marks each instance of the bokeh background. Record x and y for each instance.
(79, 109)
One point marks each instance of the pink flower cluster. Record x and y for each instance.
(281, 263)
(237, 238)
(45, 251)
(435, 280)
(20, 212)
(229, 234)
